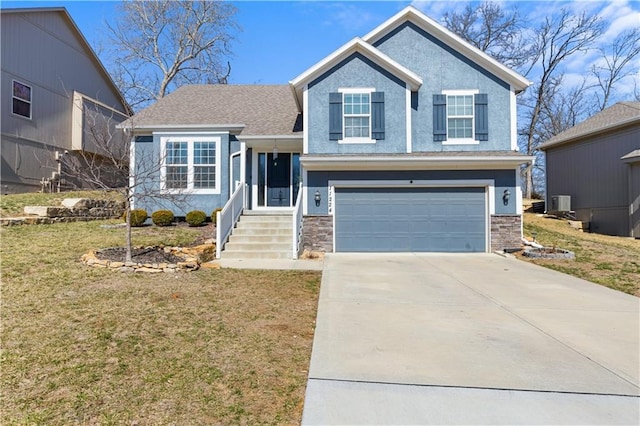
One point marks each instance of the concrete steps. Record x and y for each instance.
(260, 236)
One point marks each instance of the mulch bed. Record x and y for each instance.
(138, 255)
(155, 254)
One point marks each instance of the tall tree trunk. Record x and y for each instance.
(128, 257)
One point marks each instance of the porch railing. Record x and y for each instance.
(297, 224)
(227, 218)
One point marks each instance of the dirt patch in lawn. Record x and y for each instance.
(138, 255)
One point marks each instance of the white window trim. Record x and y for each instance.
(30, 101)
(190, 164)
(356, 140)
(462, 141)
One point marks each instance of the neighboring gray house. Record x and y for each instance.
(51, 80)
(597, 163)
(403, 140)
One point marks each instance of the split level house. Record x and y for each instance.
(56, 98)
(403, 140)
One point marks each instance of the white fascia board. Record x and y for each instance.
(356, 45)
(418, 18)
(233, 129)
(411, 163)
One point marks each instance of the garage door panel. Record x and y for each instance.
(410, 219)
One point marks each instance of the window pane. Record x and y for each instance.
(356, 127)
(204, 177)
(176, 177)
(204, 153)
(21, 108)
(460, 128)
(22, 91)
(176, 153)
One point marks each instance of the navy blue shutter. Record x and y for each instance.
(377, 115)
(335, 116)
(482, 117)
(439, 118)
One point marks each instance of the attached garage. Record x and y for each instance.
(416, 219)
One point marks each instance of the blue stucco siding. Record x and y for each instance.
(319, 181)
(357, 72)
(147, 191)
(443, 68)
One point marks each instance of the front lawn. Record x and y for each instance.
(611, 261)
(83, 345)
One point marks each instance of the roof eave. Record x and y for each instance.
(234, 129)
(426, 162)
(551, 143)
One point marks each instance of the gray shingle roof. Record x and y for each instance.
(617, 115)
(263, 109)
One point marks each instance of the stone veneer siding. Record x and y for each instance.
(506, 231)
(317, 233)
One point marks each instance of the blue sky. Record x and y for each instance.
(281, 39)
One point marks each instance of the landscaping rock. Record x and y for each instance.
(77, 203)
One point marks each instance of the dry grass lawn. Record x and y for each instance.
(611, 261)
(12, 205)
(90, 346)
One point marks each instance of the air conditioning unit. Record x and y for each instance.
(560, 203)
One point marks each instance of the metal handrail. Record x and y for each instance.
(227, 218)
(297, 224)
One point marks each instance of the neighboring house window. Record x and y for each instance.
(191, 163)
(356, 116)
(460, 117)
(21, 99)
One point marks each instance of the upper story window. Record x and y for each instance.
(356, 115)
(21, 99)
(191, 163)
(460, 117)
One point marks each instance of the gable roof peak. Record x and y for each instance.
(429, 25)
(356, 45)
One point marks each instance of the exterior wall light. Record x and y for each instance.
(317, 197)
(505, 196)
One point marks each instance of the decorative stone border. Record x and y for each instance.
(16, 221)
(193, 257)
(549, 253)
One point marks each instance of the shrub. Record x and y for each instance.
(214, 216)
(162, 217)
(196, 217)
(138, 217)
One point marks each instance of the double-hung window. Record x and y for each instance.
(460, 117)
(21, 102)
(357, 115)
(191, 164)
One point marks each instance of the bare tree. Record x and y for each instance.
(160, 45)
(615, 64)
(556, 40)
(493, 30)
(105, 164)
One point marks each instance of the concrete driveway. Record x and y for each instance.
(469, 339)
